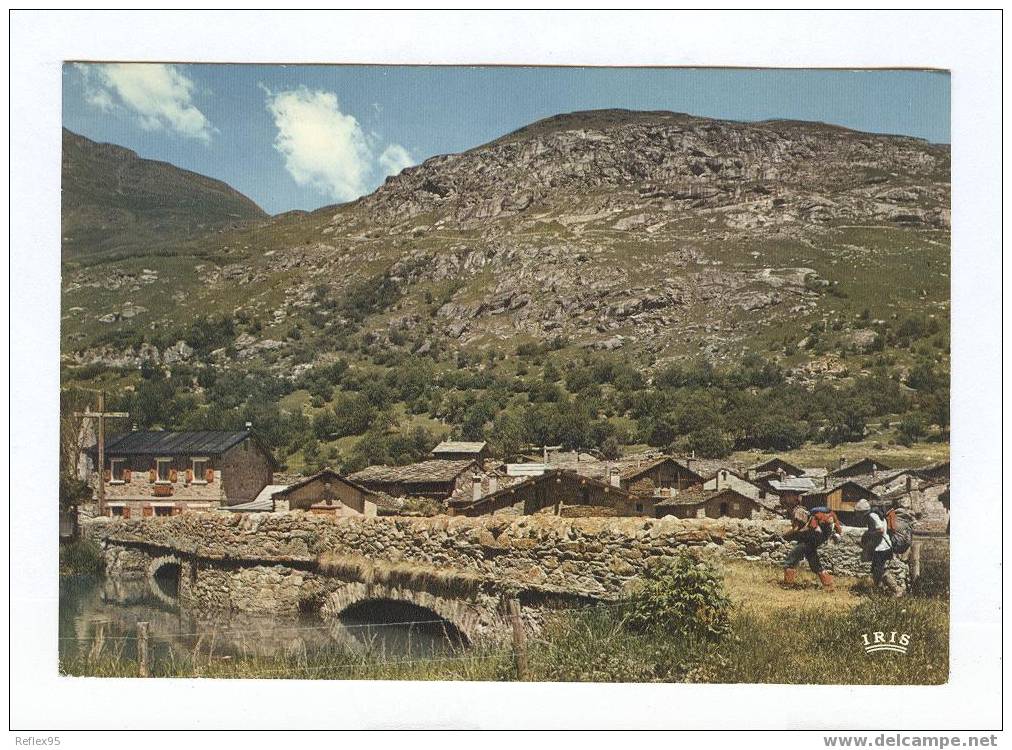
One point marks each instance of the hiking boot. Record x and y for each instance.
(826, 579)
(790, 577)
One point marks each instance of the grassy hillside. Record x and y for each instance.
(601, 280)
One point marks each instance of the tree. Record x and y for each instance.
(911, 429)
(708, 442)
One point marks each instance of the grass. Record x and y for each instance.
(784, 636)
(814, 455)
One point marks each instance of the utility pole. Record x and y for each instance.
(101, 415)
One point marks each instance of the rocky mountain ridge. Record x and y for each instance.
(661, 234)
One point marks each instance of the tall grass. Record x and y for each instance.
(775, 635)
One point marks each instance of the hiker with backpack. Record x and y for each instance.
(810, 529)
(890, 532)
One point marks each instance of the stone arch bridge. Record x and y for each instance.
(462, 569)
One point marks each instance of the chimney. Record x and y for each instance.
(781, 473)
(476, 487)
(874, 470)
(493, 484)
(843, 462)
(615, 478)
(249, 425)
(910, 483)
(721, 479)
(825, 482)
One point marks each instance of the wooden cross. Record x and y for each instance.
(101, 415)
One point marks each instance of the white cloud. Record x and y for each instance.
(395, 158)
(326, 148)
(158, 96)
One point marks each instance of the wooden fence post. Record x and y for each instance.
(99, 643)
(915, 561)
(519, 639)
(142, 650)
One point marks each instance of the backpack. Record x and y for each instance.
(900, 524)
(817, 522)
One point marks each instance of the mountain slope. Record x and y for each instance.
(661, 234)
(114, 202)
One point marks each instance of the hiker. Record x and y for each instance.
(810, 529)
(878, 546)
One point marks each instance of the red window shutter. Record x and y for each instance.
(177, 509)
(209, 475)
(126, 511)
(189, 475)
(152, 475)
(173, 475)
(147, 511)
(127, 475)
(107, 474)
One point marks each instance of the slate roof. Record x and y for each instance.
(165, 443)
(771, 464)
(707, 468)
(848, 468)
(793, 484)
(697, 495)
(435, 470)
(629, 469)
(454, 446)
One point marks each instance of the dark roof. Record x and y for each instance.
(165, 443)
(323, 474)
(855, 467)
(775, 463)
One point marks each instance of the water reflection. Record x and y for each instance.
(108, 611)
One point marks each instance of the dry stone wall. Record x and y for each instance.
(592, 557)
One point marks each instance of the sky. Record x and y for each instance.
(306, 136)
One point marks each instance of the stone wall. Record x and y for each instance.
(592, 557)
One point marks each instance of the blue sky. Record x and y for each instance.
(308, 136)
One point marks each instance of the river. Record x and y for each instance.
(92, 608)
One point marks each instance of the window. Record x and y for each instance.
(723, 509)
(200, 467)
(116, 510)
(162, 511)
(117, 465)
(164, 466)
(639, 507)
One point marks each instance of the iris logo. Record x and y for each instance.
(881, 641)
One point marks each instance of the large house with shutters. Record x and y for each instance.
(162, 473)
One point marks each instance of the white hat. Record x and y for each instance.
(862, 505)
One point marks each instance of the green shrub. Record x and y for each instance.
(683, 597)
(82, 557)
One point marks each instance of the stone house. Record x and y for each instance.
(162, 473)
(656, 477)
(558, 492)
(329, 493)
(698, 502)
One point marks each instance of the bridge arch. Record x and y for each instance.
(165, 577)
(469, 619)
